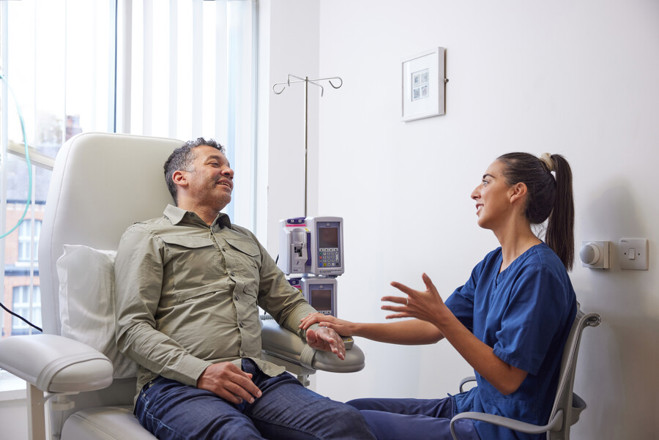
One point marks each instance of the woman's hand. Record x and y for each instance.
(341, 326)
(426, 306)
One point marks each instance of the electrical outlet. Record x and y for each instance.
(633, 253)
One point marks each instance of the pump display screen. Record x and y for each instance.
(328, 237)
(321, 299)
(328, 244)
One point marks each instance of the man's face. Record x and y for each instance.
(210, 179)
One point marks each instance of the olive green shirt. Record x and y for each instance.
(187, 296)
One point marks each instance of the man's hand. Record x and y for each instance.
(229, 382)
(326, 339)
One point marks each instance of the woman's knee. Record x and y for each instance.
(358, 403)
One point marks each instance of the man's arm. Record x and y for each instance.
(288, 306)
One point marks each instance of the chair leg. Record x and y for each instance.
(35, 413)
(304, 380)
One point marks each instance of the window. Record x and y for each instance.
(187, 69)
(27, 306)
(180, 69)
(57, 61)
(28, 240)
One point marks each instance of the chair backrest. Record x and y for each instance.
(101, 184)
(567, 404)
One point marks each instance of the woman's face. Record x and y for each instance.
(493, 197)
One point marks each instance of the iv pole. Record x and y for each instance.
(336, 82)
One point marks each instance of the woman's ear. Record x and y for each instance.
(518, 192)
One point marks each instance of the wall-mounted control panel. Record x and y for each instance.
(630, 253)
(595, 254)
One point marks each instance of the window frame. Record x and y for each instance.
(43, 161)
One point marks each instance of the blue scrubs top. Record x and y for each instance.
(525, 314)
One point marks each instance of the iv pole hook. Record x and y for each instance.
(278, 89)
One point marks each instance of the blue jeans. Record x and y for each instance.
(394, 419)
(286, 410)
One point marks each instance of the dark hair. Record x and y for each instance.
(549, 183)
(182, 158)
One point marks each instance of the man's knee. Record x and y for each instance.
(349, 413)
(348, 422)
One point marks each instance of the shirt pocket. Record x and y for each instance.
(243, 263)
(193, 266)
(246, 247)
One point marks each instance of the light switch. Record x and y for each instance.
(633, 253)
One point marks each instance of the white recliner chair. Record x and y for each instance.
(101, 184)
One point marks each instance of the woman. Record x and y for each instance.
(510, 320)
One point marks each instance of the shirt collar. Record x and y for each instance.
(176, 216)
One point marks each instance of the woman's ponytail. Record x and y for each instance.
(549, 183)
(560, 228)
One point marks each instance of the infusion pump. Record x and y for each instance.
(320, 292)
(311, 256)
(311, 246)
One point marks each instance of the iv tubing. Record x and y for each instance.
(27, 160)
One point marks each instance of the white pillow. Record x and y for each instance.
(86, 300)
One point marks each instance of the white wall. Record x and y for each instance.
(576, 78)
(13, 415)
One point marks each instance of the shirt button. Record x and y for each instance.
(235, 297)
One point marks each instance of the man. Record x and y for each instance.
(188, 287)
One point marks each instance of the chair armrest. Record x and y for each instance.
(513, 424)
(281, 343)
(55, 364)
(465, 381)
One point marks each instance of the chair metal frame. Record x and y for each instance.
(567, 404)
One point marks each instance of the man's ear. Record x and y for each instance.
(179, 178)
(518, 192)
